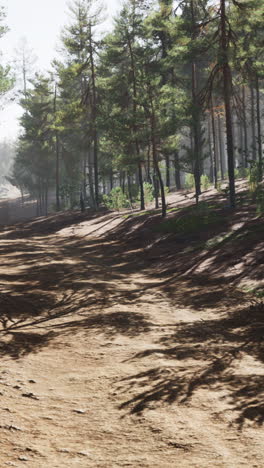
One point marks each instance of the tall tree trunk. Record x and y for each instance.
(221, 148)
(253, 122)
(132, 60)
(214, 143)
(245, 129)
(196, 117)
(148, 163)
(58, 206)
(129, 190)
(167, 160)
(260, 164)
(57, 149)
(156, 189)
(177, 170)
(84, 184)
(211, 156)
(227, 78)
(111, 179)
(94, 118)
(141, 187)
(155, 157)
(91, 180)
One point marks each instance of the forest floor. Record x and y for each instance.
(127, 340)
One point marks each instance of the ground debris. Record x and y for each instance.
(79, 411)
(30, 395)
(185, 447)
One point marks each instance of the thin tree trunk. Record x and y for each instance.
(156, 189)
(177, 170)
(260, 165)
(91, 180)
(167, 159)
(245, 130)
(111, 179)
(155, 158)
(129, 190)
(140, 176)
(214, 143)
(94, 117)
(253, 122)
(57, 177)
(221, 148)
(196, 118)
(210, 152)
(227, 78)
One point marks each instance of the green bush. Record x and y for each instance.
(253, 178)
(219, 187)
(236, 173)
(148, 192)
(260, 200)
(116, 200)
(242, 172)
(189, 181)
(196, 220)
(205, 182)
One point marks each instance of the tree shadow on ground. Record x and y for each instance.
(51, 224)
(207, 355)
(74, 281)
(111, 324)
(22, 343)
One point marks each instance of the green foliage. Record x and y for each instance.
(189, 181)
(260, 200)
(148, 192)
(253, 178)
(219, 187)
(205, 182)
(236, 173)
(194, 220)
(116, 200)
(242, 172)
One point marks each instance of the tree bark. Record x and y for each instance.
(260, 164)
(214, 144)
(253, 122)
(227, 78)
(94, 123)
(177, 170)
(221, 148)
(132, 60)
(245, 130)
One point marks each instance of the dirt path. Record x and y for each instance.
(101, 366)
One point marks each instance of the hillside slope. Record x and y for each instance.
(131, 341)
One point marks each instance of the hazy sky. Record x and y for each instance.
(40, 21)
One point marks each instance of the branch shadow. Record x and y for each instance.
(207, 356)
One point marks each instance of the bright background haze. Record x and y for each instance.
(40, 22)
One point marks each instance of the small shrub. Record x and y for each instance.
(236, 173)
(253, 178)
(189, 181)
(148, 192)
(116, 200)
(219, 187)
(205, 182)
(193, 221)
(260, 200)
(242, 172)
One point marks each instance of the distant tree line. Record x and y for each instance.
(176, 87)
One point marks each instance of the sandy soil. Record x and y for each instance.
(110, 358)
